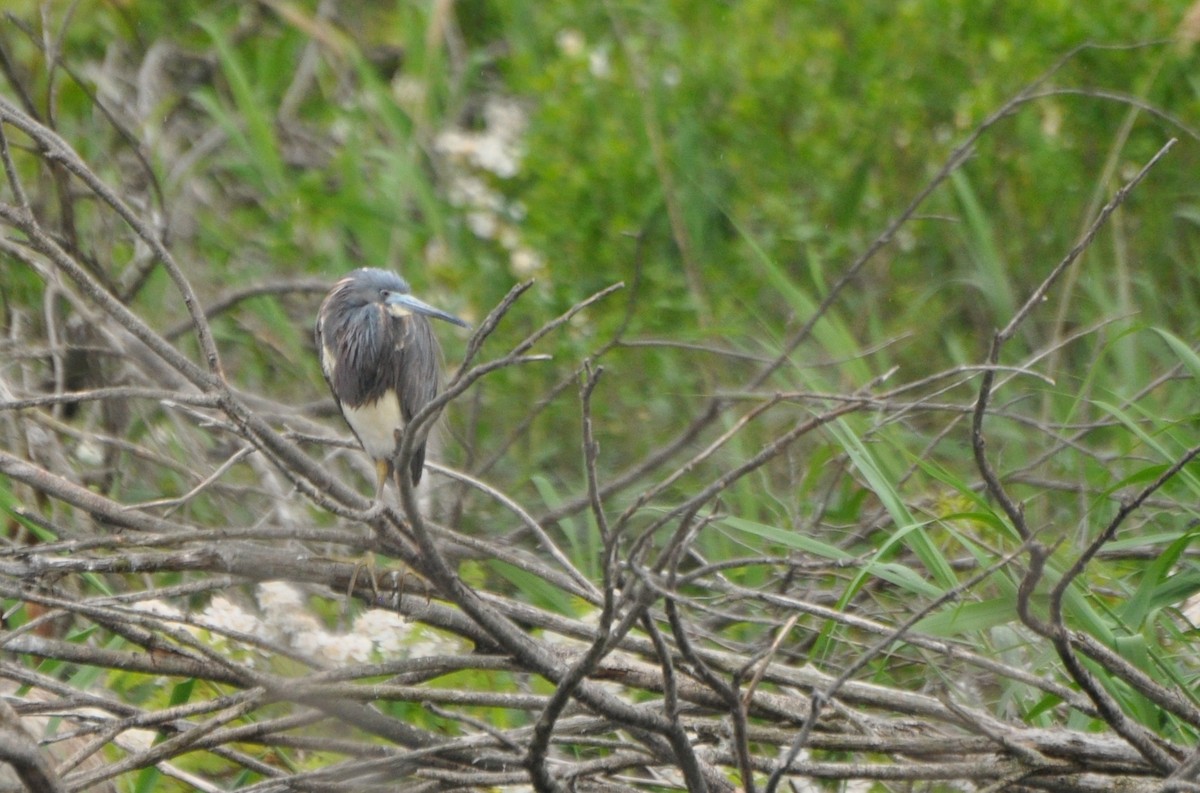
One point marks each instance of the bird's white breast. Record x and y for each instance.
(375, 424)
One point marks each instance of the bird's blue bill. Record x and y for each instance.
(411, 303)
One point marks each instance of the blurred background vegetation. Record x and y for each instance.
(472, 145)
(728, 162)
(791, 133)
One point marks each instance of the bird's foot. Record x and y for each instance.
(375, 511)
(367, 565)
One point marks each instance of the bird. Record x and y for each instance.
(382, 362)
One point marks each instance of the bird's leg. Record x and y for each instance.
(367, 563)
(382, 469)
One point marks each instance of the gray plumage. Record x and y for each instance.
(381, 360)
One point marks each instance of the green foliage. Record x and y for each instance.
(728, 161)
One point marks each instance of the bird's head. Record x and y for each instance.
(370, 286)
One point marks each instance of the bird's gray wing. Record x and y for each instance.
(325, 356)
(416, 368)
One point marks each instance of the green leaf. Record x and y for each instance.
(907, 526)
(583, 537)
(538, 591)
(1137, 607)
(1187, 356)
(960, 618)
(897, 574)
(258, 136)
(1135, 427)
(787, 538)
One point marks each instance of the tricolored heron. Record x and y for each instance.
(381, 360)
